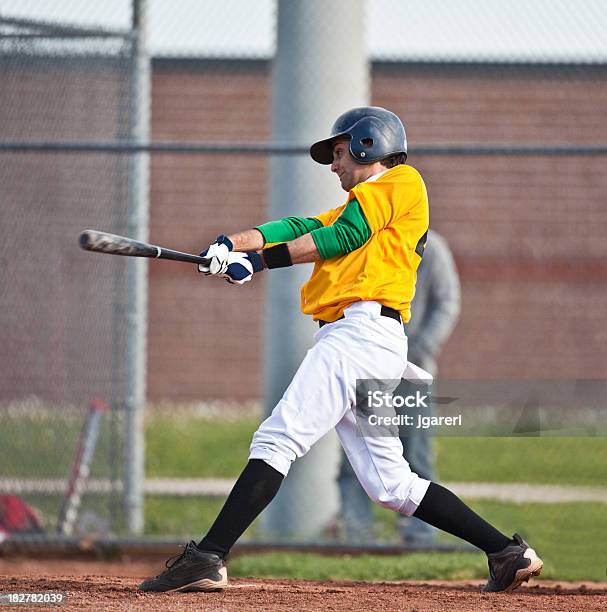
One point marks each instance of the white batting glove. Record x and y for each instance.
(241, 267)
(218, 254)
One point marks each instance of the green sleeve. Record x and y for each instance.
(349, 232)
(288, 228)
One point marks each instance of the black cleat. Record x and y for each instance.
(512, 566)
(192, 570)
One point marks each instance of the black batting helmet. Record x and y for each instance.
(374, 132)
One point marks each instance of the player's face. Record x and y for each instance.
(350, 172)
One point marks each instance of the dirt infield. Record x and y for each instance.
(112, 586)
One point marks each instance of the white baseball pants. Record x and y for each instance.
(322, 395)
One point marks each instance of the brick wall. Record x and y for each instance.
(524, 231)
(527, 232)
(205, 337)
(58, 303)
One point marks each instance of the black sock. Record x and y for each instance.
(253, 491)
(445, 510)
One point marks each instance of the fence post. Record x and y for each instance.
(320, 70)
(138, 227)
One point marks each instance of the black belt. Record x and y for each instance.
(385, 311)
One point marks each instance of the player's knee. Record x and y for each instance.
(278, 450)
(387, 499)
(403, 497)
(277, 441)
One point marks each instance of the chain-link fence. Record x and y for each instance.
(63, 341)
(506, 121)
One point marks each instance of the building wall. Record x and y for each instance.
(61, 309)
(205, 337)
(524, 230)
(527, 232)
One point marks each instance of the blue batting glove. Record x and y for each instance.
(241, 267)
(217, 253)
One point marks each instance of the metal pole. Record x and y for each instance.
(138, 228)
(320, 70)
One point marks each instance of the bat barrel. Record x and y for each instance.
(103, 242)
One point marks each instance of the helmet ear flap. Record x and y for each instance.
(367, 139)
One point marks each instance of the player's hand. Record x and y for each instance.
(241, 267)
(218, 253)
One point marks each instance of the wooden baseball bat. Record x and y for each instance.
(102, 242)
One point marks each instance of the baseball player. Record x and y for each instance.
(366, 253)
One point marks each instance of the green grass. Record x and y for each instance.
(44, 448)
(202, 445)
(571, 538)
(575, 461)
(185, 516)
(190, 447)
(418, 566)
(568, 536)
(197, 448)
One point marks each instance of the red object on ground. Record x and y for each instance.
(16, 516)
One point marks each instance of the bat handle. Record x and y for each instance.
(179, 256)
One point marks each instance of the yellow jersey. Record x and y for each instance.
(384, 269)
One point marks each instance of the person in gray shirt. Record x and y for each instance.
(434, 312)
